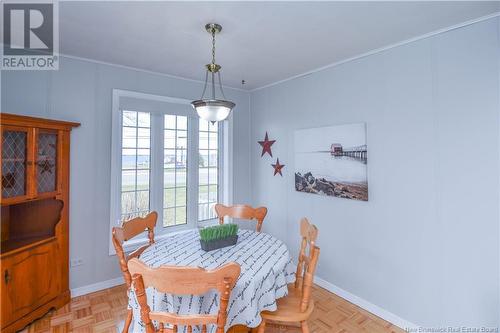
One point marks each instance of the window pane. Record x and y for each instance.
(129, 137)
(135, 182)
(169, 158)
(211, 210)
(169, 139)
(212, 175)
(212, 194)
(206, 211)
(181, 140)
(143, 138)
(212, 158)
(203, 162)
(168, 217)
(181, 158)
(128, 158)
(203, 176)
(180, 177)
(128, 202)
(128, 180)
(143, 119)
(203, 194)
(142, 200)
(208, 194)
(143, 180)
(143, 158)
(129, 118)
(175, 170)
(180, 196)
(203, 140)
(203, 213)
(169, 122)
(180, 215)
(169, 178)
(182, 123)
(212, 141)
(169, 197)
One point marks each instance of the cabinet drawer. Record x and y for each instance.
(29, 279)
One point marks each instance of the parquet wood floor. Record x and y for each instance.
(104, 312)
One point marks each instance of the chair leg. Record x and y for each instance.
(128, 320)
(262, 327)
(305, 327)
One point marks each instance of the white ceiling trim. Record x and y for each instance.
(382, 49)
(99, 62)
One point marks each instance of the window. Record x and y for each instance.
(136, 156)
(175, 170)
(164, 158)
(208, 189)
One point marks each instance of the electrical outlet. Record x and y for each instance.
(76, 262)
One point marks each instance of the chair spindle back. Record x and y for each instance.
(241, 212)
(128, 230)
(308, 258)
(178, 280)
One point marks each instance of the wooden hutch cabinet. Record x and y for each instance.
(34, 255)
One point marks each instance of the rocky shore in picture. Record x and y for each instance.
(310, 184)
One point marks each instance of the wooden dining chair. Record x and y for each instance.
(241, 212)
(129, 230)
(297, 306)
(178, 280)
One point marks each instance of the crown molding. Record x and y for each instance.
(382, 49)
(99, 62)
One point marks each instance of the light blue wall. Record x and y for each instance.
(426, 245)
(81, 91)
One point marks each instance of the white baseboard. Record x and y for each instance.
(364, 304)
(96, 287)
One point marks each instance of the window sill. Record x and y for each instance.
(208, 223)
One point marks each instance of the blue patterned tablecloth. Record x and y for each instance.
(266, 269)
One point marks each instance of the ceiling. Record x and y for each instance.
(261, 42)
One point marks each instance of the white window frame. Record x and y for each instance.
(156, 173)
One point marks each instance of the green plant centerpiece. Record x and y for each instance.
(219, 236)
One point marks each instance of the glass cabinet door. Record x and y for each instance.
(14, 162)
(46, 161)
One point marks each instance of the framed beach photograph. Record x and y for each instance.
(332, 161)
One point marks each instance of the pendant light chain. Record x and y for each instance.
(218, 72)
(213, 62)
(213, 46)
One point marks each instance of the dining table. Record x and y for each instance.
(266, 271)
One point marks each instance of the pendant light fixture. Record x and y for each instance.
(213, 109)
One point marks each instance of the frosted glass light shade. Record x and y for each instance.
(213, 109)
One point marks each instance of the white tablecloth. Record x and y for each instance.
(266, 269)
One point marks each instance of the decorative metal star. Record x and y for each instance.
(266, 146)
(277, 167)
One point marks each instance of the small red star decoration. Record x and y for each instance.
(266, 146)
(277, 167)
